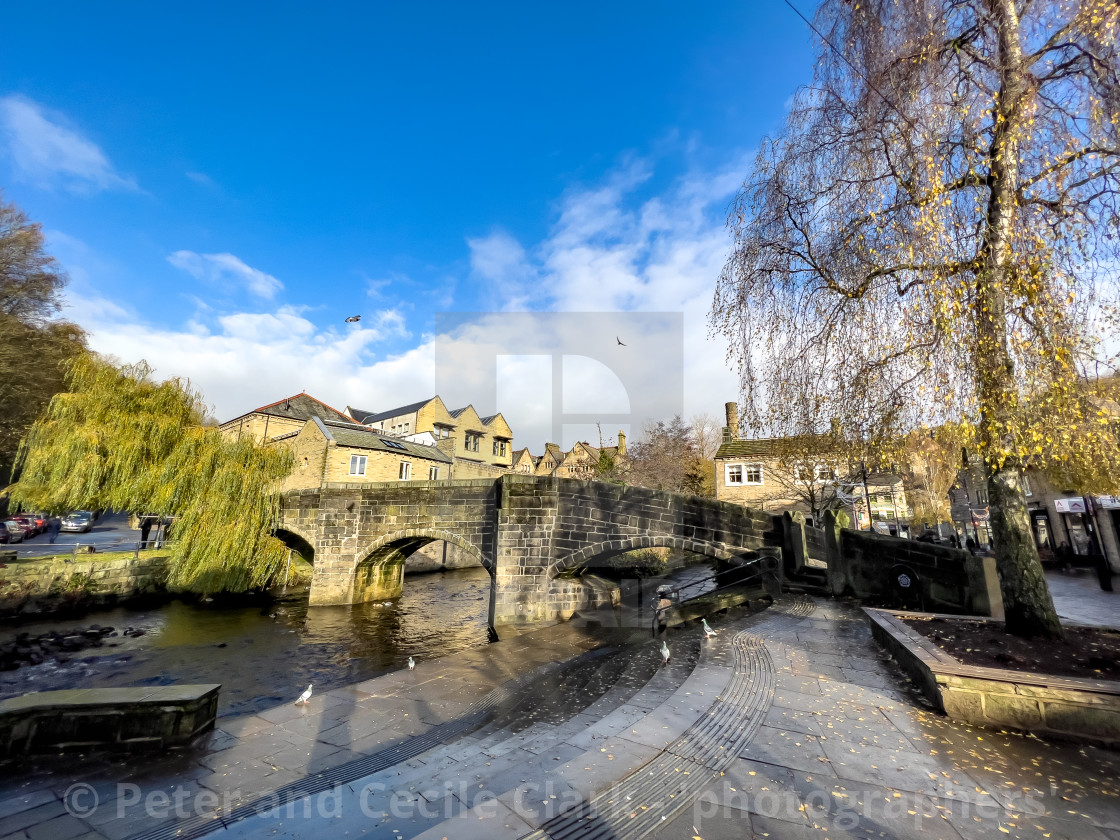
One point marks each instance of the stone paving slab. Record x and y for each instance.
(845, 749)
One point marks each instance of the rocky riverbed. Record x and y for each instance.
(28, 649)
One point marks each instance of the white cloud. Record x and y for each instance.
(607, 252)
(226, 268)
(46, 152)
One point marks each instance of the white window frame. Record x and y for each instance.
(824, 472)
(357, 465)
(803, 472)
(405, 472)
(433, 473)
(756, 468)
(733, 475)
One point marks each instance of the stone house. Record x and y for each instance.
(280, 418)
(329, 451)
(486, 441)
(755, 473)
(581, 461)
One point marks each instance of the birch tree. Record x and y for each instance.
(933, 238)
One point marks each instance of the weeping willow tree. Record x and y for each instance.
(933, 238)
(118, 439)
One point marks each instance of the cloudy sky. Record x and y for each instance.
(226, 183)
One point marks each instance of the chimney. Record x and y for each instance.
(621, 443)
(731, 432)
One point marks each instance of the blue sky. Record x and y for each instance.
(226, 183)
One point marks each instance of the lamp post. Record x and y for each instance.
(867, 496)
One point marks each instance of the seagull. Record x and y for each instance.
(708, 631)
(411, 664)
(353, 319)
(304, 698)
(619, 340)
(665, 652)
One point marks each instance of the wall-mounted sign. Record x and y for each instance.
(979, 515)
(1075, 505)
(1109, 502)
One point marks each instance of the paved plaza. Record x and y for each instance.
(789, 723)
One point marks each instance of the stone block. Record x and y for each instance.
(1012, 710)
(1099, 721)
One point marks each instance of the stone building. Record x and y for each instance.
(483, 440)
(581, 461)
(755, 473)
(1060, 517)
(280, 418)
(327, 451)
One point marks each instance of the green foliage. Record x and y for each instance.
(118, 439)
(33, 347)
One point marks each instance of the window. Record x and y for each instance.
(406, 425)
(405, 472)
(471, 442)
(753, 474)
(824, 472)
(734, 474)
(433, 473)
(981, 496)
(1027, 489)
(499, 447)
(392, 444)
(802, 473)
(357, 465)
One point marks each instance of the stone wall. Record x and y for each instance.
(549, 526)
(91, 579)
(376, 526)
(903, 573)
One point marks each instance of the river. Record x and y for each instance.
(266, 654)
(262, 661)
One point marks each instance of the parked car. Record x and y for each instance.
(78, 521)
(13, 531)
(34, 523)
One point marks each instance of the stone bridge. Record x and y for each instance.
(526, 531)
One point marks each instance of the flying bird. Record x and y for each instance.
(665, 652)
(619, 340)
(708, 631)
(353, 319)
(411, 664)
(304, 698)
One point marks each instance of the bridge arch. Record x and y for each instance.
(379, 571)
(384, 548)
(612, 547)
(293, 537)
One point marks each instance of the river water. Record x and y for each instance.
(262, 661)
(265, 655)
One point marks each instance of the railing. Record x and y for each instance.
(727, 579)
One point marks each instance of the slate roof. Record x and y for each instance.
(760, 447)
(372, 417)
(357, 436)
(455, 412)
(300, 407)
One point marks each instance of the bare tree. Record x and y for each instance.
(933, 238)
(707, 432)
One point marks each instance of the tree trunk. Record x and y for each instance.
(1028, 607)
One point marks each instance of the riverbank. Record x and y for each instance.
(788, 724)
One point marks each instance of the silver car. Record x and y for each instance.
(15, 531)
(78, 521)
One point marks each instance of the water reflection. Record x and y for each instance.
(267, 656)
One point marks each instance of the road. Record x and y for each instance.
(110, 533)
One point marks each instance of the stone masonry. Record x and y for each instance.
(526, 531)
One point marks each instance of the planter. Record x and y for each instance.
(1063, 708)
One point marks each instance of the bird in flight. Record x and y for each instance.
(304, 698)
(619, 340)
(353, 319)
